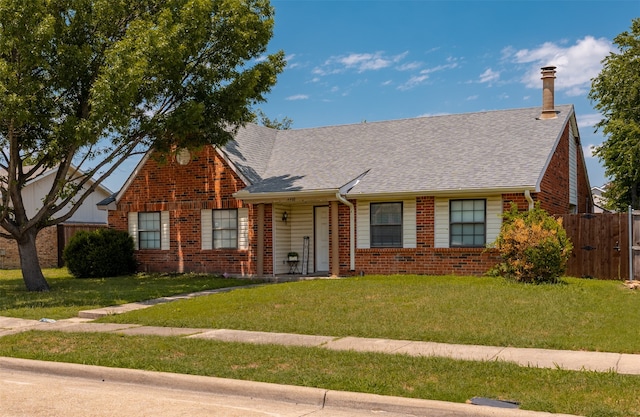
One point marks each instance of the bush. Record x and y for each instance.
(534, 246)
(100, 253)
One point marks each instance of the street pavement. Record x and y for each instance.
(30, 388)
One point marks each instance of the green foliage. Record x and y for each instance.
(96, 82)
(262, 119)
(616, 92)
(100, 253)
(534, 246)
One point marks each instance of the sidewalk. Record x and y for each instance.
(544, 358)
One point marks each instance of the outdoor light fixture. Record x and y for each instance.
(285, 216)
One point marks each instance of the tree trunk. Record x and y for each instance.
(31, 271)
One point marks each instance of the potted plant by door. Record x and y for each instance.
(292, 256)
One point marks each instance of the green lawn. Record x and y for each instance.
(68, 295)
(583, 393)
(578, 314)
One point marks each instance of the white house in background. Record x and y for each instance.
(599, 202)
(51, 241)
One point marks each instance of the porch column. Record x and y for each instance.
(260, 243)
(335, 240)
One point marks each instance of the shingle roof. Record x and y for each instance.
(503, 149)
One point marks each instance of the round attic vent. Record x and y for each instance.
(183, 157)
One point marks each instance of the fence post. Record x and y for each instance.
(630, 244)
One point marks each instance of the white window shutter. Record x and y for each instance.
(133, 228)
(243, 228)
(206, 229)
(164, 231)
(409, 228)
(362, 220)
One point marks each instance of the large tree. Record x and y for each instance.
(87, 84)
(616, 92)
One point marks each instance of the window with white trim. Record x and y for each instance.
(149, 230)
(467, 221)
(225, 229)
(386, 225)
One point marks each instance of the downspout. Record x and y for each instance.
(352, 230)
(527, 195)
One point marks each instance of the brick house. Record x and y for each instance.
(422, 195)
(51, 240)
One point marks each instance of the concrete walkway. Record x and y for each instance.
(544, 358)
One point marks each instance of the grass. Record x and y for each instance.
(68, 295)
(585, 393)
(576, 315)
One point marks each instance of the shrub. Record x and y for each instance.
(534, 246)
(100, 253)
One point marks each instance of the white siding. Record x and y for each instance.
(206, 229)
(493, 220)
(289, 236)
(301, 226)
(409, 233)
(573, 169)
(88, 212)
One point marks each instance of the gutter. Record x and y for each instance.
(352, 217)
(352, 231)
(527, 195)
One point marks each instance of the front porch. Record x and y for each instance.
(301, 229)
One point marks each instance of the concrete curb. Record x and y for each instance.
(275, 392)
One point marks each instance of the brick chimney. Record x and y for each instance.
(548, 106)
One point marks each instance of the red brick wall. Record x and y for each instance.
(554, 194)
(205, 183)
(425, 258)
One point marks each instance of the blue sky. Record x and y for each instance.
(357, 60)
(368, 60)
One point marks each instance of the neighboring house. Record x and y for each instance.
(599, 201)
(51, 240)
(421, 195)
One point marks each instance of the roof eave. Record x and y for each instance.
(287, 196)
(456, 192)
(329, 194)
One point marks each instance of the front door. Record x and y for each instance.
(321, 238)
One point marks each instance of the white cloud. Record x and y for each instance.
(298, 97)
(359, 62)
(410, 66)
(588, 120)
(474, 97)
(423, 75)
(413, 82)
(489, 76)
(588, 150)
(576, 64)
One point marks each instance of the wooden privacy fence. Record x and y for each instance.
(66, 232)
(600, 245)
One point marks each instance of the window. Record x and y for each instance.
(149, 230)
(386, 225)
(468, 223)
(225, 229)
